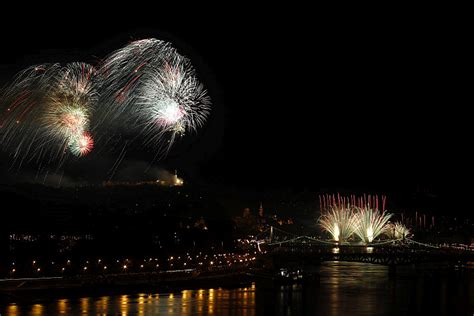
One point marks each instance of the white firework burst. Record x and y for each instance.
(339, 222)
(149, 87)
(397, 231)
(370, 223)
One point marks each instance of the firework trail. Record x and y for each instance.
(46, 112)
(117, 163)
(153, 90)
(326, 201)
(21, 105)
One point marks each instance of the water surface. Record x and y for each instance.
(343, 289)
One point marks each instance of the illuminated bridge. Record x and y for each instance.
(284, 248)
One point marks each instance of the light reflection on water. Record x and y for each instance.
(187, 302)
(365, 289)
(343, 289)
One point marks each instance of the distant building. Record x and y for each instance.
(175, 181)
(246, 213)
(261, 221)
(169, 181)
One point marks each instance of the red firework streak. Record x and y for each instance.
(28, 107)
(140, 66)
(327, 201)
(22, 99)
(121, 94)
(89, 72)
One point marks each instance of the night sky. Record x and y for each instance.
(299, 99)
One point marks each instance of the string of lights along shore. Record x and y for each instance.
(51, 112)
(346, 217)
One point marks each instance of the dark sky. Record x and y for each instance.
(301, 98)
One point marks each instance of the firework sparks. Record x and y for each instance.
(81, 145)
(397, 231)
(327, 201)
(370, 223)
(69, 104)
(146, 89)
(339, 222)
(151, 88)
(343, 216)
(48, 109)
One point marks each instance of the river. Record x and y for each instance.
(342, 289)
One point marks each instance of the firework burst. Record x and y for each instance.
(146, 90)
(68, 108)
(46, 110)
(397, 231)
(370, 223)
(152, 89)
(340, 222)
(81, 145)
